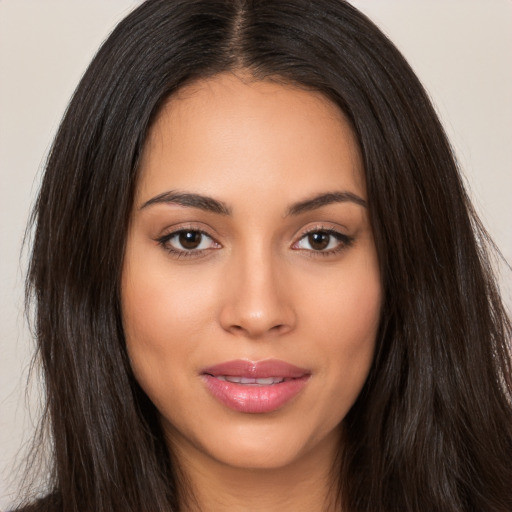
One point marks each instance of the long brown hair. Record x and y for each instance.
(432, 428)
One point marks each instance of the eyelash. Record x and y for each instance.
(164, 242)
(345, 241)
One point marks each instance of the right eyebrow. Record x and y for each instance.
(191, 201)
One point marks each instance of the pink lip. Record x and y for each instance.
(255, 398)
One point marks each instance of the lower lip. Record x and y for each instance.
(253, 398)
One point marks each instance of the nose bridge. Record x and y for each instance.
(256, 303)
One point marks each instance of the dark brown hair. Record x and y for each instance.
(432, 428)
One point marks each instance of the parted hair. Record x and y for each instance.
(432, 427)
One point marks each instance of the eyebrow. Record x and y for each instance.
(191, 201)
(323, 200)
(215, 206)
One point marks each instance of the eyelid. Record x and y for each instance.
(173, 231)
(344, 239)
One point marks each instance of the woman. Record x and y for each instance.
(248, 295)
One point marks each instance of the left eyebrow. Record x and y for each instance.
(325, 199)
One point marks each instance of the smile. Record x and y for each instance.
(255, 387)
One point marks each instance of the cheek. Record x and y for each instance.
(162, 316)
(345, 319)
(358, 314)
(160, 299)
(347, 322)
(347, 307)
(154, 309)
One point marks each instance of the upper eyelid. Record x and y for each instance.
(323, 228)
(327, 226)
(178, 228)
(172, 234)
(329, 231)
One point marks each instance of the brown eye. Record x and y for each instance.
(190, 239)
(323, 241)
(319, 240)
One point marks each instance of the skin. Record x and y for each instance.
(257, 288)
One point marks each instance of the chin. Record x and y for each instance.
(259, 443)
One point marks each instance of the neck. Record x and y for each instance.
(307, 484)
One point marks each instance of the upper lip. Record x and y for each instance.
(256, 369)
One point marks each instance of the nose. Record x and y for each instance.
(257, 301)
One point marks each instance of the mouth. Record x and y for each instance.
(255, 387)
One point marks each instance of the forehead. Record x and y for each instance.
(232, 129)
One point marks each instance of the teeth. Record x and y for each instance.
(267, 381)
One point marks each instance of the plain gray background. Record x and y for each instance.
(461, 50)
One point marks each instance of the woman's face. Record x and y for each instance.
(251, 291)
